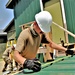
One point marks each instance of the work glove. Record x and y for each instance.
(69, 52)
(34, 65)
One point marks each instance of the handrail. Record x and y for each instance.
(70, 33)
(26, 23)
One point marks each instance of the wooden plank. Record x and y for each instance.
(70, 33)
(26, 24)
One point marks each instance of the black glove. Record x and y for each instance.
(34, 65)
(71, 52)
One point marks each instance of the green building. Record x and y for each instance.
(10, 29)
(62, 12)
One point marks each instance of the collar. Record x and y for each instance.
(33, 32)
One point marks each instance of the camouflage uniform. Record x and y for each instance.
(7, 58)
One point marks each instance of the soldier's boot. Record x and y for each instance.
(5, 66)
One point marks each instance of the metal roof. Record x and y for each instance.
(2, 33)
(9, 25)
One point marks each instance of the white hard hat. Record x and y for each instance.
(44, 21)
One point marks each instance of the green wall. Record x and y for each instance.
(70, 17)
(24, 12)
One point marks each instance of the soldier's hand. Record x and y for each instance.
(34, 65)
(70, 52)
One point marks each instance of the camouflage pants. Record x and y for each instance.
(8, 62)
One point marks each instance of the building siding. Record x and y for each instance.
(24, 12)
(70, 17)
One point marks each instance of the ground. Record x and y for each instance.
(1, 66)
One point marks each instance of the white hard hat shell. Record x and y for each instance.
(44, 21)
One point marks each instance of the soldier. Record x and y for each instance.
(7, 58)
(29, 41)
